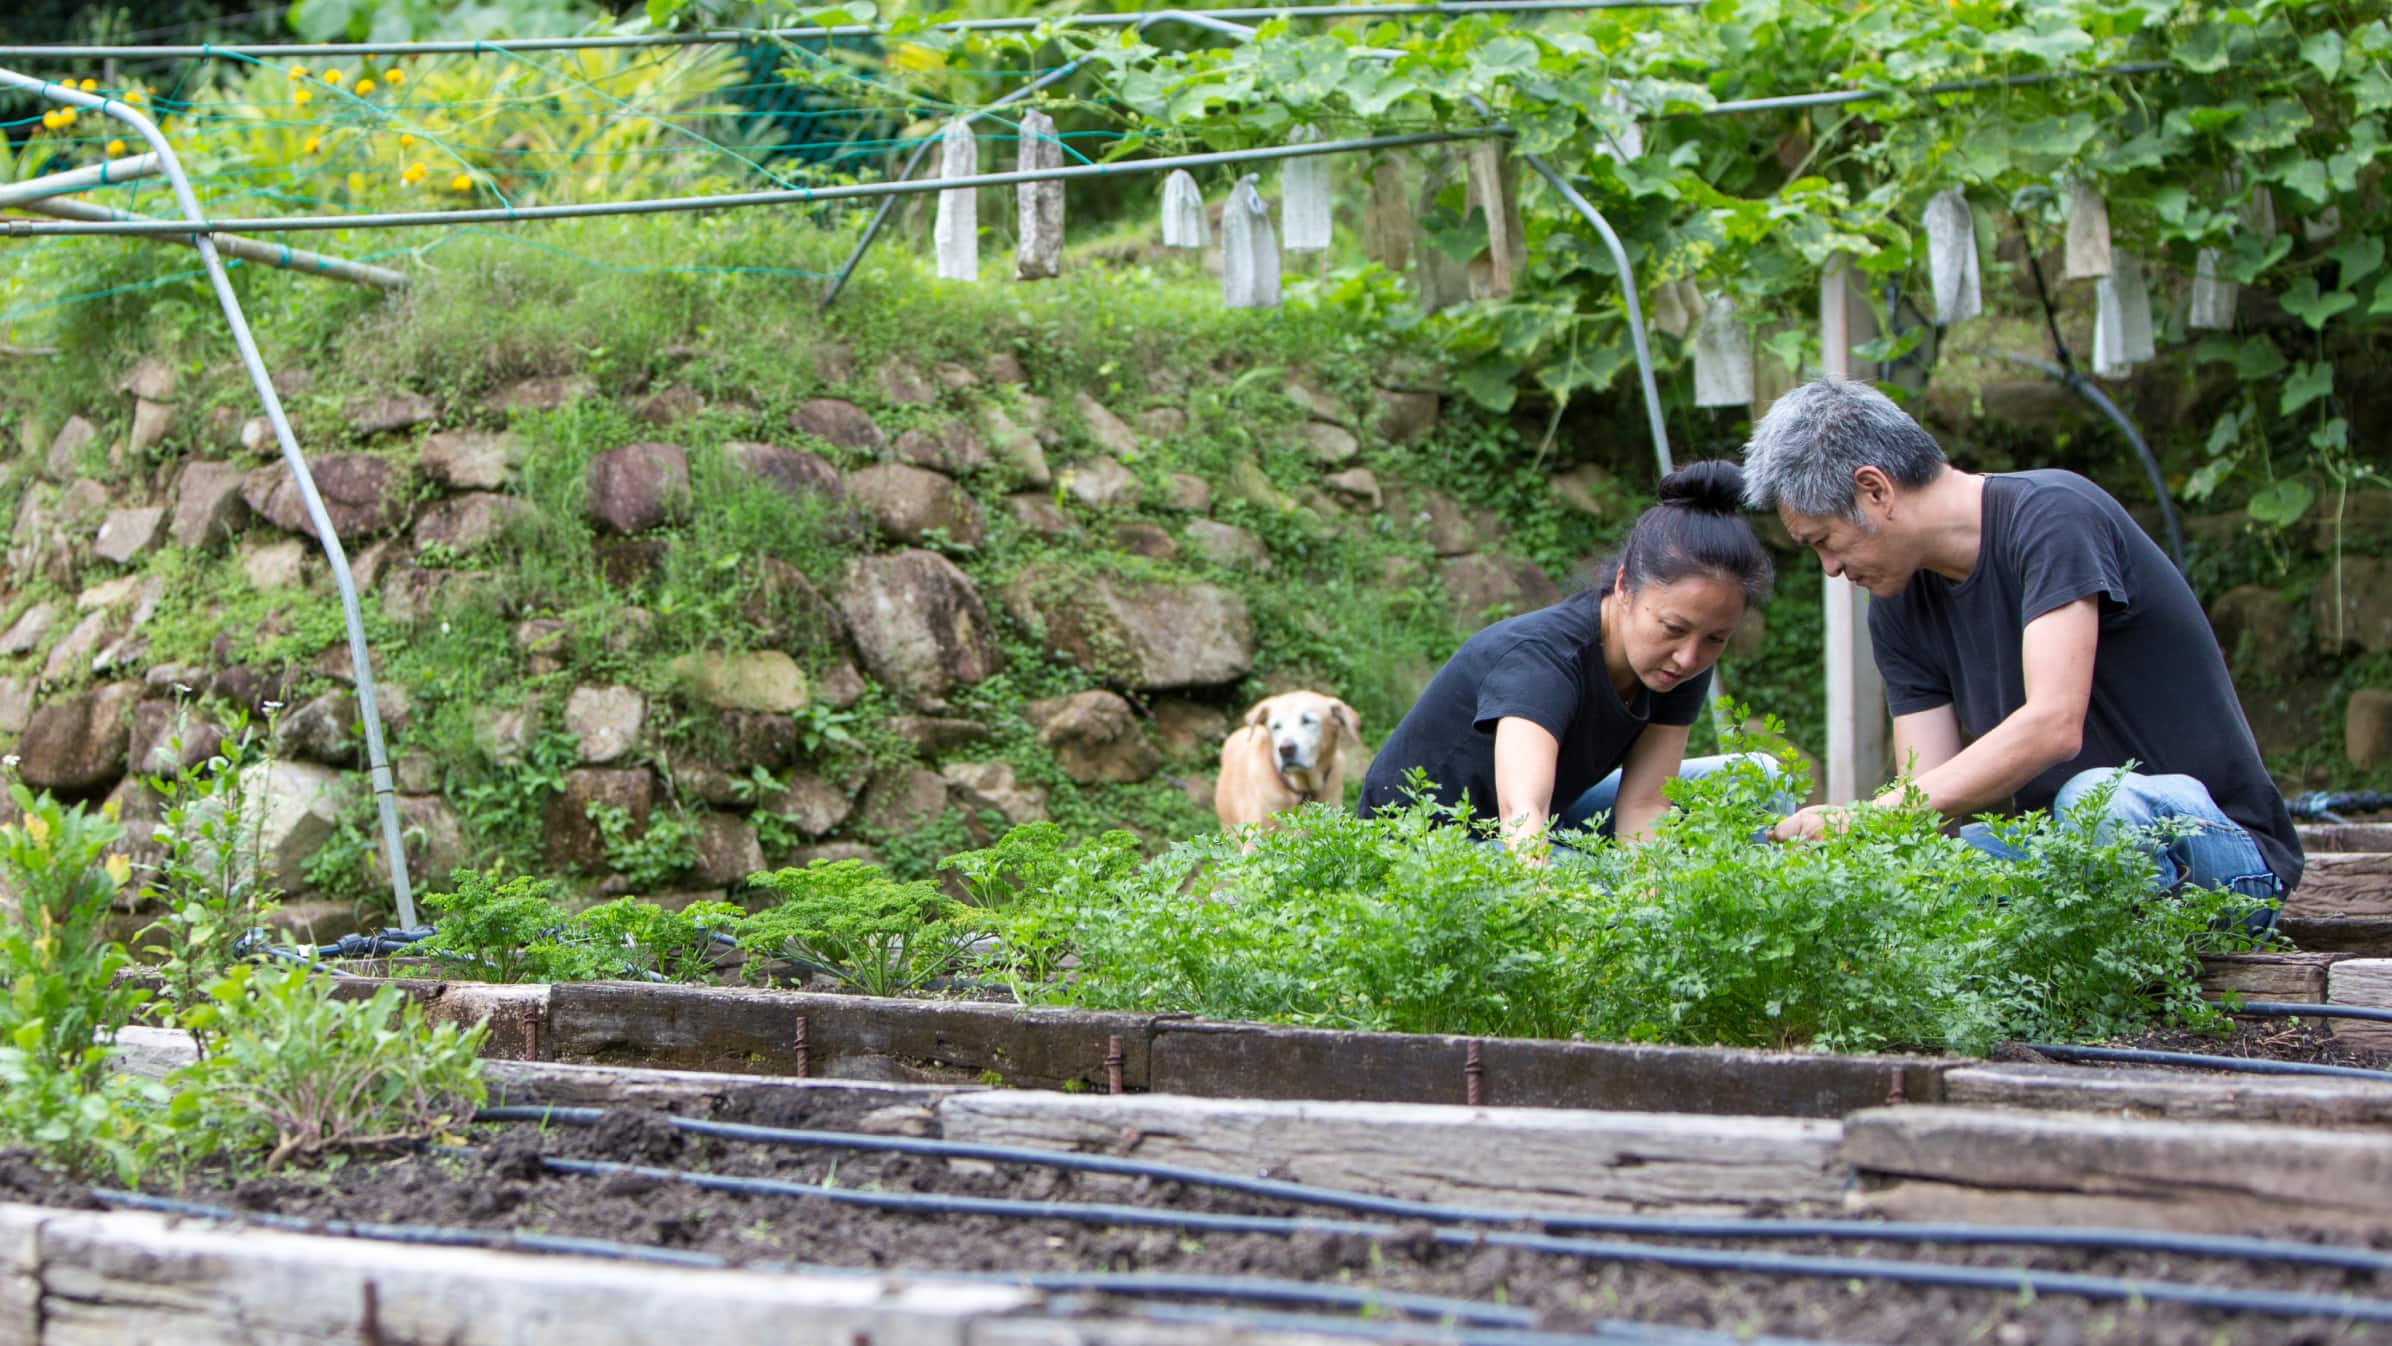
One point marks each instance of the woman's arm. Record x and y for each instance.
(1655, 757)
(1525, 754)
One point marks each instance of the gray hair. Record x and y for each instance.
(1805, 450)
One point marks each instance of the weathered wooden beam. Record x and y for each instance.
(859, 1037)
(2319, 838)
(2344, 904)
(2367, 983)
(1260, 1061)
(1521, 1158)
(132, 1277)
(2345, 884)
(1955, 1163)
(2172, 1094)
(2267, 976)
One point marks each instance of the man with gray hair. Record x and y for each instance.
(2033, 640)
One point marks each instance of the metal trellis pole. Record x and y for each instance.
(377, 758)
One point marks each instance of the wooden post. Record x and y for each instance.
(1857, 734)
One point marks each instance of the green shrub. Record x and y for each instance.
(851, 920)
(213, 888)
(517, 930)
(1030, 887)
(63, 1004)
(299, 1074)
(1887, 934)
(509, 930)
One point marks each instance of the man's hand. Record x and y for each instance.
(1811, 824)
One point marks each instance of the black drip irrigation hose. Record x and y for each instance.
(2295, 1009)
(1661, 1226)
(1998, 1280)
(1607, 1333)
(2194, 1060)
(2329, 806)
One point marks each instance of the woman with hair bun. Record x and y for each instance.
(1581, 710)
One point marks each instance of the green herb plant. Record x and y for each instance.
(210, 880)
(63, 1004)
(518, 930)
(851, 920)
(299, 1073)
(1885, 934)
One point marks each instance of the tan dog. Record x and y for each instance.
(1284, 757)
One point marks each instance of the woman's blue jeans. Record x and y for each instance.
(2208, 849)
(1604, 797)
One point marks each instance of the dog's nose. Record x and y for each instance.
(1287, 750)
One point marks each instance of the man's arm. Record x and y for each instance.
(1652, 760)
(2056, 655)
(1925, 740)
(1525, 755)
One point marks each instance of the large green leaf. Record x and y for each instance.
(2304, 302)
(2202, 49)
(2357, 259)
(2324, 51)
(2272, 126)
(2282, 504)
(2311, 380)
(1492, 382)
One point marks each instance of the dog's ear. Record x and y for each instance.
(1353, 720)
(1260, 710)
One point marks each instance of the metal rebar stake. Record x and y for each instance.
(377, 757)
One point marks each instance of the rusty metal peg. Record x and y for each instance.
(799, 1043)
(1113, 1062)
(1474, 1071)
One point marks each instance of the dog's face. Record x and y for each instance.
(1304, 727)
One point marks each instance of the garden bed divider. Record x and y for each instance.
(2295, 1100)
(1986, 1165)
(71, 1278)
(1517, 1159)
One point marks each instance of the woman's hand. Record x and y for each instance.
(1811, 824)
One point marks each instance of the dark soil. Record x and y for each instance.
(501, 1187)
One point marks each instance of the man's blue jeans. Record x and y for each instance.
(2209, 850)
(1604, 797)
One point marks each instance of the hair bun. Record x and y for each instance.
(1714, 486)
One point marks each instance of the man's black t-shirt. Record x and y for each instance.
(1545, 666)
(2161, 694)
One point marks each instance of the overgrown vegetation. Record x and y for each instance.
(291, 1071)
(519, 930)
(1888, 934)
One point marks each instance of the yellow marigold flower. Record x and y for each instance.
(91, 86)
(298, 72)
(334, 76)
(364, 87)
(405, 140)
(66, 116)
(313, 144)
(50, 120)
(394, 77)
(302, 96)
(414, 173)
(119, 869)
(115, 148)
(463, 182)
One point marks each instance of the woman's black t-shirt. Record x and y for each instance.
(1545, 667)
